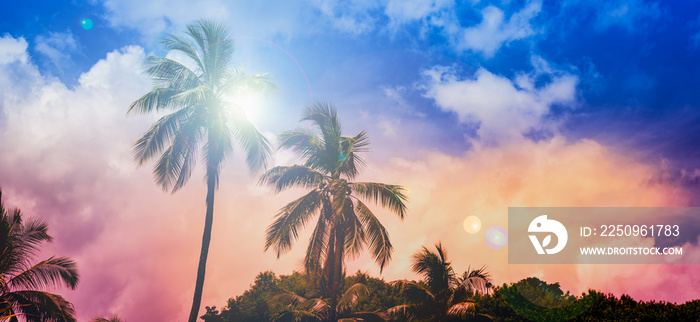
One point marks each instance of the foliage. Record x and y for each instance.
(21, 280)
(513, 302)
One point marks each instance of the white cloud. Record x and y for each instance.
(494, 31)
(349, 16)
(403, 11)
(57, 47)
(12, 50)
(153, 17)
(504, 109)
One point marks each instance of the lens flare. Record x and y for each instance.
(496, 237)
(472, 224)
(86, 24)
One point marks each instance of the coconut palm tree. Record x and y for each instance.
(114, 318)
(21, 281)
(441, 295)
(319, 309)
(345, 223)
(196, 94)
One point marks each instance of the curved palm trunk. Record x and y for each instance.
(206, 239)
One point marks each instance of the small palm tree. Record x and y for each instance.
(441, 295)
(201, 118)
(319, 309)
(345, 224)
(21, 281)
(114, 318)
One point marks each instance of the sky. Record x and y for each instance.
(473, 106)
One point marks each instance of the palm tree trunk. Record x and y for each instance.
(337, 271)
(206, 239)
(330, 272)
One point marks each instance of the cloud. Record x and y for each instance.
(504, 109)
(485, 181)
(494, 31)
(57, 47)
(153, 17)
(406, 11)
(12, 50)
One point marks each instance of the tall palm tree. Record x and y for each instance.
(21, 281)
(201, 117)
(345, 224)
(441, 295)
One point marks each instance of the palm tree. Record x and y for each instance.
(319, 309)
(345, 224)
(200, 118)
(21, 281)
(114, 318)
(441, 295)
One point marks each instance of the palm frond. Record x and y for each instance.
(174, 42)
(175, 165)
(38, 306)
(390, 196)
(401, 312)
(256, 146)
(379, 243)
(462, 310)
(157, 99)
(352, 296)
(285, 177)
(303, 142)
(284, 230)
(355, 234)
(316, 251)
(350, 162)
(48, 273)
(477, 280)
(169, 73)
(235, 81)
(289, 298)
(158, 136)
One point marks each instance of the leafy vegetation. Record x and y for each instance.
(21, 281)
(441, 295)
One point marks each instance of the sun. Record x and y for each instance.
(255, 106)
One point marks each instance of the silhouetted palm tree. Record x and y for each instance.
(201, 118)
(441, 295)
(114, 318)
(345, 224)
(319, 309)
(21, 281)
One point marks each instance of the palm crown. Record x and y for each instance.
(21, 281)
(202, 116)
(345, 223)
